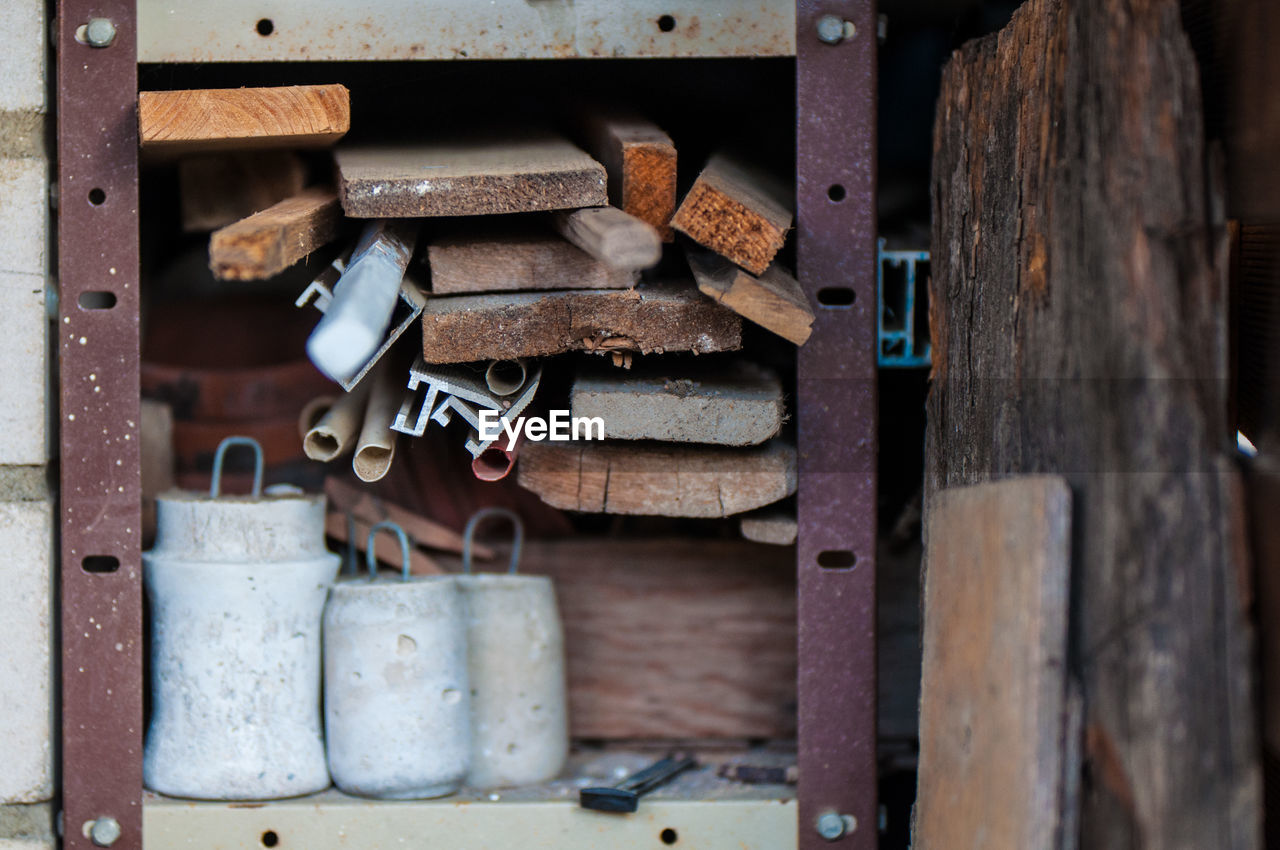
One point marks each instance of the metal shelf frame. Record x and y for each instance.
(101, 571)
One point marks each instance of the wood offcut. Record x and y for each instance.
(739, 404)
(641, 161)
(206, 120)
(613, 237)
(774, 300)
(268, 242)
(517, 260)
(480, 176)
(739, 211)
(650, 318)
(656, 479)
(993, 700)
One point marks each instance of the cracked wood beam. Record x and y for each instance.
(650, 318)
(654, 479)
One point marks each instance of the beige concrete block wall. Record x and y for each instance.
(26, 827)
(27, 514)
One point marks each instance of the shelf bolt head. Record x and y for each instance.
(99, 32)
(833, 826)
(105, 831)
(832, 29)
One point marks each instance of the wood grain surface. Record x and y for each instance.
(657, 479)
(993, 699)
(203, 120)
(649, 318)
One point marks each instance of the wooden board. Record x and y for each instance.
(1046, 205)
(482, 176)
(649, 318)
(641, 161)
(774, 300)
(517, 259)
(673, 638)
(656, 479)
(385, 547)
(738, 404)
(611, 236)
(770, 525)
(268, 242)
(203, 120)
(738, 211)
(221, 189)
(993, 701)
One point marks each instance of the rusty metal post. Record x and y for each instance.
(836, 389)
(100, 509)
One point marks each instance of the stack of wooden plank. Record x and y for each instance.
(516, 245)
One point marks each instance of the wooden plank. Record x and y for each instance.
(385, 547)
(514, 259)
(771, 525)
(653, 479)
(641, 161)
(267, 243)
(219, 190)
(649, 318)
(739, 211)
(345, 497)
(993, 702)
(611, 236)
(1047, 205)
(204, 120)
(718, 662)
(478, 176)
(1262, 480)
(736, 405)
(774, 300)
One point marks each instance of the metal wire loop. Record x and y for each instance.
(215, 486)
(517, 530)
(371, 557)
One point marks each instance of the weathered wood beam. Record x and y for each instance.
(1078, 321)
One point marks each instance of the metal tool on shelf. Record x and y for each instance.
(625, 796)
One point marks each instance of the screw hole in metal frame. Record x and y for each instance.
(836, 296)
(97, 197)
(837, 559)
(836, 192)
(100, 564)
(265, 27)
(668, 836)
(666, 23)
(96, 300)
(270, 839)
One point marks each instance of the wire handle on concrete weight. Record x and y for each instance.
(517, 532)
(371, 557)
(215, 485)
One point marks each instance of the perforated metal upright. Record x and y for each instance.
(101, 583)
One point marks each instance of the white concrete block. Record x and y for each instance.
(26, 652)
(24, 215)
(22, 62)
(27, 827)
(25, 377)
